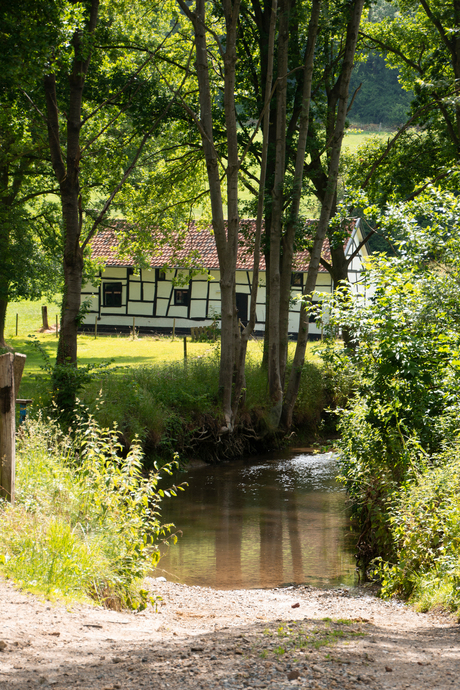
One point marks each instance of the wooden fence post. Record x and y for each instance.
(11, 368)
(45, 323)
(185, 350)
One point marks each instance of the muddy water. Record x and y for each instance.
(262, 522)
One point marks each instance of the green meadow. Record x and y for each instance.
(122, 349)
(355, 138)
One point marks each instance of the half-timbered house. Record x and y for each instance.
(166, 293)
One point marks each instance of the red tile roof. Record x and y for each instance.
(196, 249)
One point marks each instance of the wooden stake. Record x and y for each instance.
(174, 328)
(45, 323)
(11, 368)
(57, 326)
(185, 349)
(17, 323)
(95, 326)
(134, 327)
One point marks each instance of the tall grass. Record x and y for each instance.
(425, 527)
(167, 405)
(86, 522)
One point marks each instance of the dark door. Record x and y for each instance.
(242, 306)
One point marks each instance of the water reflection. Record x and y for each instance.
(260, 523)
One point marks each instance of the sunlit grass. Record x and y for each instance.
(353, 140)
(143, 351)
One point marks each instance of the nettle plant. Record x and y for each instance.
(405, 352)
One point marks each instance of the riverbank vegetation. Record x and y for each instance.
(400, 435)
(170, 404)
(86, 521)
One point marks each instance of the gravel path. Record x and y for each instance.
(207, 639)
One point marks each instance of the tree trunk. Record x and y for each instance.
(339, 274)
(274, 277)
(240, 375)
(293, 217)
(321, 229)
(68, 175)
(5, 242)
(226, 234)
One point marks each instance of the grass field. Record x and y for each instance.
(353, 140)
(144, 350)
(121, 348)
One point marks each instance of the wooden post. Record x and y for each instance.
(11, 368)
(134, 327)
(174, 328)
(17, 324)
(95, 326)
(45, 323)
(57, 326)
(185, 350)
(18, 368)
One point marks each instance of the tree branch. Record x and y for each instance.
(392, 142)
(435, 179)
(130, 167)
(32, 103)
(52, 122)
(360, 246)
(389, 49)
(353, 98)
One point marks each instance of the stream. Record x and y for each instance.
(260, 522)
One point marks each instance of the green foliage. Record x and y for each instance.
(425, 151)
(86, 521)
(419, 41)
(67, 380)
(425, 524)
(406, 336)
(311, 399)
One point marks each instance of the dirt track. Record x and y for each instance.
(203, 638)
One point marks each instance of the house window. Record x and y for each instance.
(161, 274)
(242, 306)
(296, 279)
(112, 294)
(181, 298)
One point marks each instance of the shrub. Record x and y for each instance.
(425, 524)
(405, 345)
(86, 521)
